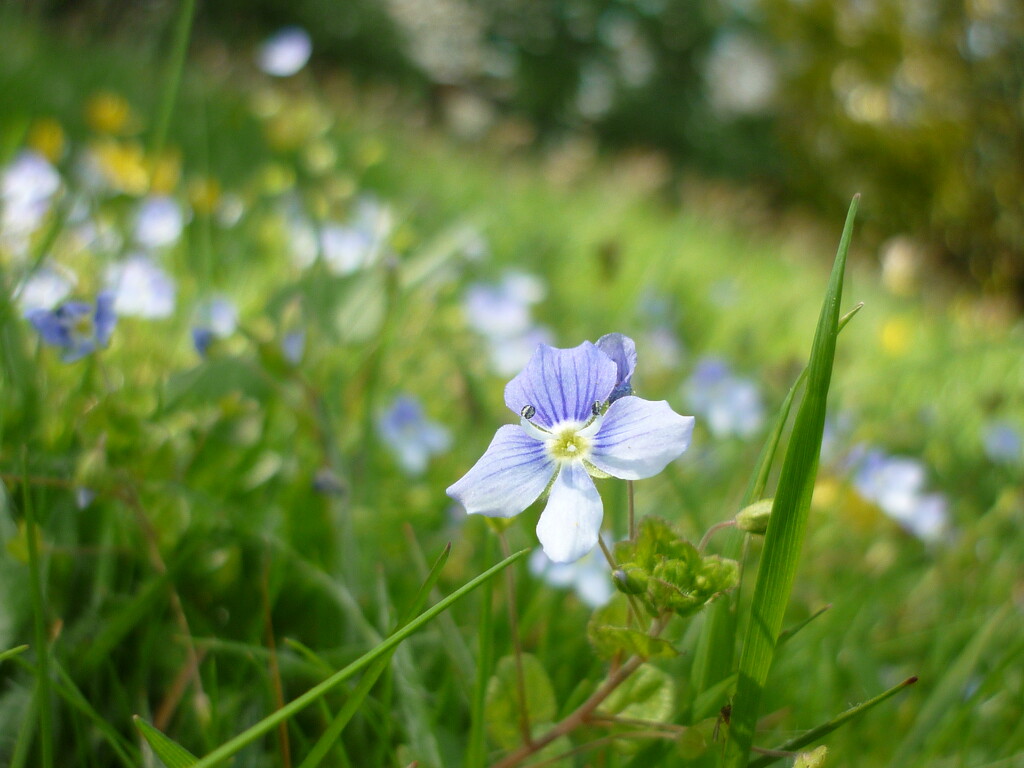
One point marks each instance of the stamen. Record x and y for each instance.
(528, 412)
(596, 408)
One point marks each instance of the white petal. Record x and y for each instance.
(638, 438)
(569, 525)
(508, 478)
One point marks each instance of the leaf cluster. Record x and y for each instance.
(667, 573)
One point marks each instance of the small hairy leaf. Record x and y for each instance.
(502, 705)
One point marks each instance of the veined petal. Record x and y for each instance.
(508, 478)
(622, 351)
(638, 438)
(562, 384)
(571, 522)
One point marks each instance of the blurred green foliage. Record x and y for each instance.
(915, 104)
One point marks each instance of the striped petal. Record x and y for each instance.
(638, 438)
(571, 522)
(508, 478)
(562, 384)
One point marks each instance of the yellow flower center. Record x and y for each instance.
(567, 444)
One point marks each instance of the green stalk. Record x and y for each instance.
(784, 537)
(43, 696)
(179, 49)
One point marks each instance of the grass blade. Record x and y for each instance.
(43, 694)
(333, 732)
(713, 660)
(172, 754)
(826, 728)
(11, 652)
(234, 745)
(785, 534)
(179, 49)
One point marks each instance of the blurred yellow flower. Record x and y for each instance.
(46, 136)
(204, 195)
(122, 165)
(896, 336)
(107, 112)
(125, 167)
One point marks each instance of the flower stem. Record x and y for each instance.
(513, 625)
(712, 530)
(630, 510)
(575, 719)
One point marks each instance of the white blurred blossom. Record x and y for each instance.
(588, 577)
(741, 75)
(285, 52)
(141, 288)
(158, 222)
(45, 288)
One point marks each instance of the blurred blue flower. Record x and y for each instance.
(896, 484)
(285, 52)
(28, 185)
(410, 436)
(588, 576)
(44, 289)
(216, 318)
(293, 346)
(1002, 441)
(503, 310)
(730, 404)
(77, 327)
(568, 433)
(141, 288)
(159, 222)
(501, 313)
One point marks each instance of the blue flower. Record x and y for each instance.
(730, 404)
(412, 438)
(568, 433)
(897, 484)
(77, 327)
(159, 222)
(1002, 442)
(216, 318)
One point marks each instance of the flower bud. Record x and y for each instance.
(814, 759)
(754, 519)
(630, 580)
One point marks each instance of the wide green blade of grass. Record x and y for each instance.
(785, 534)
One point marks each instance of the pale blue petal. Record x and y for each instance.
(638, 438)
(562, 384)
(571, 522)
(508, 478)
(622, 351)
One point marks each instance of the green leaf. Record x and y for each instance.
(11, 652)
(784, 537)
(171, 754)
(608, 641)
(648, 694)
(502, 702)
